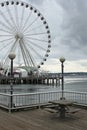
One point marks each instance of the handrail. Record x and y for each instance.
(39, 98)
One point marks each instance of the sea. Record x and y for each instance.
(71, 83)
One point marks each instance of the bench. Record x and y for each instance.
(52, 106)
(72, 111)
(51, 110)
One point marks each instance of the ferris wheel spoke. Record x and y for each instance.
(28, 55)
(23, 54)
(37, 53)
(35, 45)
(24, 58)
(16, 16)
(6, 59)
(5, 18)
(5, 46)
(19, 56)
(11, 49)
(5, 31)
(22, 17)
(31, 59)
(14, 45)
(10, 35)
(6, 40)
(5, 26)
(32, 29)
(27, 19)
(28, 27)
(11, 18)
(42, 33)
(36, 39)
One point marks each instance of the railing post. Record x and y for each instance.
(39, 100)
(9, 104)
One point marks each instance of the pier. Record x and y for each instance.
(31, 115)
(49, 79)
(38, 119)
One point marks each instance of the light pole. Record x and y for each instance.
(11, 57)
(62, 59)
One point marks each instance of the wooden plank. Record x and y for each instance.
(39, 119)
(51, 110)
(72, 111)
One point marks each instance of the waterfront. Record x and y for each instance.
(38, 95)
(72, 83)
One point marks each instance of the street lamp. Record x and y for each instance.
(11, 57)
(62, 59)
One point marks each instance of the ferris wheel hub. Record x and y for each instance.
(19, 36)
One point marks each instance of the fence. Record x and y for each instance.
(40, 98)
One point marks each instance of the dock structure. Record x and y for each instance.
(39, 119)
(33, 79)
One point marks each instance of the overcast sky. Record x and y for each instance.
(67, 20)
(68, 24)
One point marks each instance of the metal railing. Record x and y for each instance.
(79, 97)
(40, 98)
(4, 100)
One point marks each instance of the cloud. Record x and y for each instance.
(68, 24)
(67, 20)
(36, 1)
(73, 28)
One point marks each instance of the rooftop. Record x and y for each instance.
(39, 119)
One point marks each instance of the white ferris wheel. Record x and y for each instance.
(24, 31)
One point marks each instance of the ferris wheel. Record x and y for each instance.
(24, 31)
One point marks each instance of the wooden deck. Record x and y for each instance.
(39, 119)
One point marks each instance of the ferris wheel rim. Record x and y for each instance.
(18, 36)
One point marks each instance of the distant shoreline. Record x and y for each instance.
(71, 73)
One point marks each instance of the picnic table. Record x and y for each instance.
(63, 106)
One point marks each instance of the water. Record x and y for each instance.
(75, 83)
(23, 88)
(72, 83)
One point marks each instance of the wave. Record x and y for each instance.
(74, 80)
